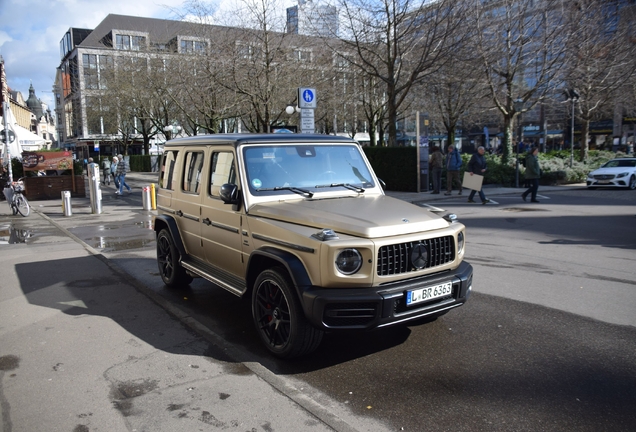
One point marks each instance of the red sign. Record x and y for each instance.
(38, 161)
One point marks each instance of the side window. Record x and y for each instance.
(167, 170)
(192, 172)
(222, 171)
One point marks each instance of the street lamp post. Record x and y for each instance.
(518, 105)
(573, 96)
(291, 109)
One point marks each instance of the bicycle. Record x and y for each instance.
(18, 203)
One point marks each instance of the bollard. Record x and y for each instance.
(153, 196)
(145, 195)
(66, 203)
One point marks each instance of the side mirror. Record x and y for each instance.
(229, 193)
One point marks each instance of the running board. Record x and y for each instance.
(238, 289)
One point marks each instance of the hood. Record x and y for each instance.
(611, 170)
(361, 216)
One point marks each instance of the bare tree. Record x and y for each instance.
(600, 60)
(522, 46)
(400, 43)
(457, 89)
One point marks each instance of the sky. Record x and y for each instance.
(31, 30)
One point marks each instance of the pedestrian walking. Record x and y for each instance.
(435, 163)
(113, 171)
(122, 169)
(533, 174)
(106, 171)
(453, 166)
(477, 165)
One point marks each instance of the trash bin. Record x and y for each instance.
(66, 203)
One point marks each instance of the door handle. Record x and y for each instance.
(207, 221)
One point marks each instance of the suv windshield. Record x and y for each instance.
(292, 168)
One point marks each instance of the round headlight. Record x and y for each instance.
(460, 242)
(348, 261)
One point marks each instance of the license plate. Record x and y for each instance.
(604, 181)
(428, 293)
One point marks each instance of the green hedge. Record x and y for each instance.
(396, 166)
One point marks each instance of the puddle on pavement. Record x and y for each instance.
(115, 245)
(145, 224)
(12, 235)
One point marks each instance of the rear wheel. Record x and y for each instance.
(279, 318)
(22, 205)
(172, 274)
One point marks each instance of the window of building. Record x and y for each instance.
(93, 66)
(301, 55)
(130, 42)
(189, 46)
(222, 172)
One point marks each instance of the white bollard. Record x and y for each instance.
(66, 203)
(145, 196)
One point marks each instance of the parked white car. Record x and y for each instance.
(619, 172)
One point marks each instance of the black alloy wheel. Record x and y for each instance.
(172, 274)
(279, 317)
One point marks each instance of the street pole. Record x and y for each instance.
(572, 135)
(518, 106)
(7, 143)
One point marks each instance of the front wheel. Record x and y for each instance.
(279, 318)
(22, 205)
(172, 274)
(632, 182)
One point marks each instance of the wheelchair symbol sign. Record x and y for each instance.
(307, 98)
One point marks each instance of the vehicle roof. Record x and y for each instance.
(273, 138)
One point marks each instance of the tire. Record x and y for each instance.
(279, 318)
(171, 272)
(23, 206)
(632, 183)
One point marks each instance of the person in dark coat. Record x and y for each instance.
(453, 166)
(436, 162)
(533, 174)
(477, 165)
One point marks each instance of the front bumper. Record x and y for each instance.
(614, 182)
(384, 305)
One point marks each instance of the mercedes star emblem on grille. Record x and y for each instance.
(419, 256)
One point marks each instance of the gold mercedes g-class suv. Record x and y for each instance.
(301, 224)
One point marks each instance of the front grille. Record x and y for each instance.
(349, 314)
(396, 259)
(604, 177)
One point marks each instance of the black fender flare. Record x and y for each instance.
(290, 262)
(165, 221)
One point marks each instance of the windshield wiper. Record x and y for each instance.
(299, 191)
(345, 185)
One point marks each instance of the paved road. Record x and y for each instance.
(547, 342)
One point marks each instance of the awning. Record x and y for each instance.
(27, 139)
